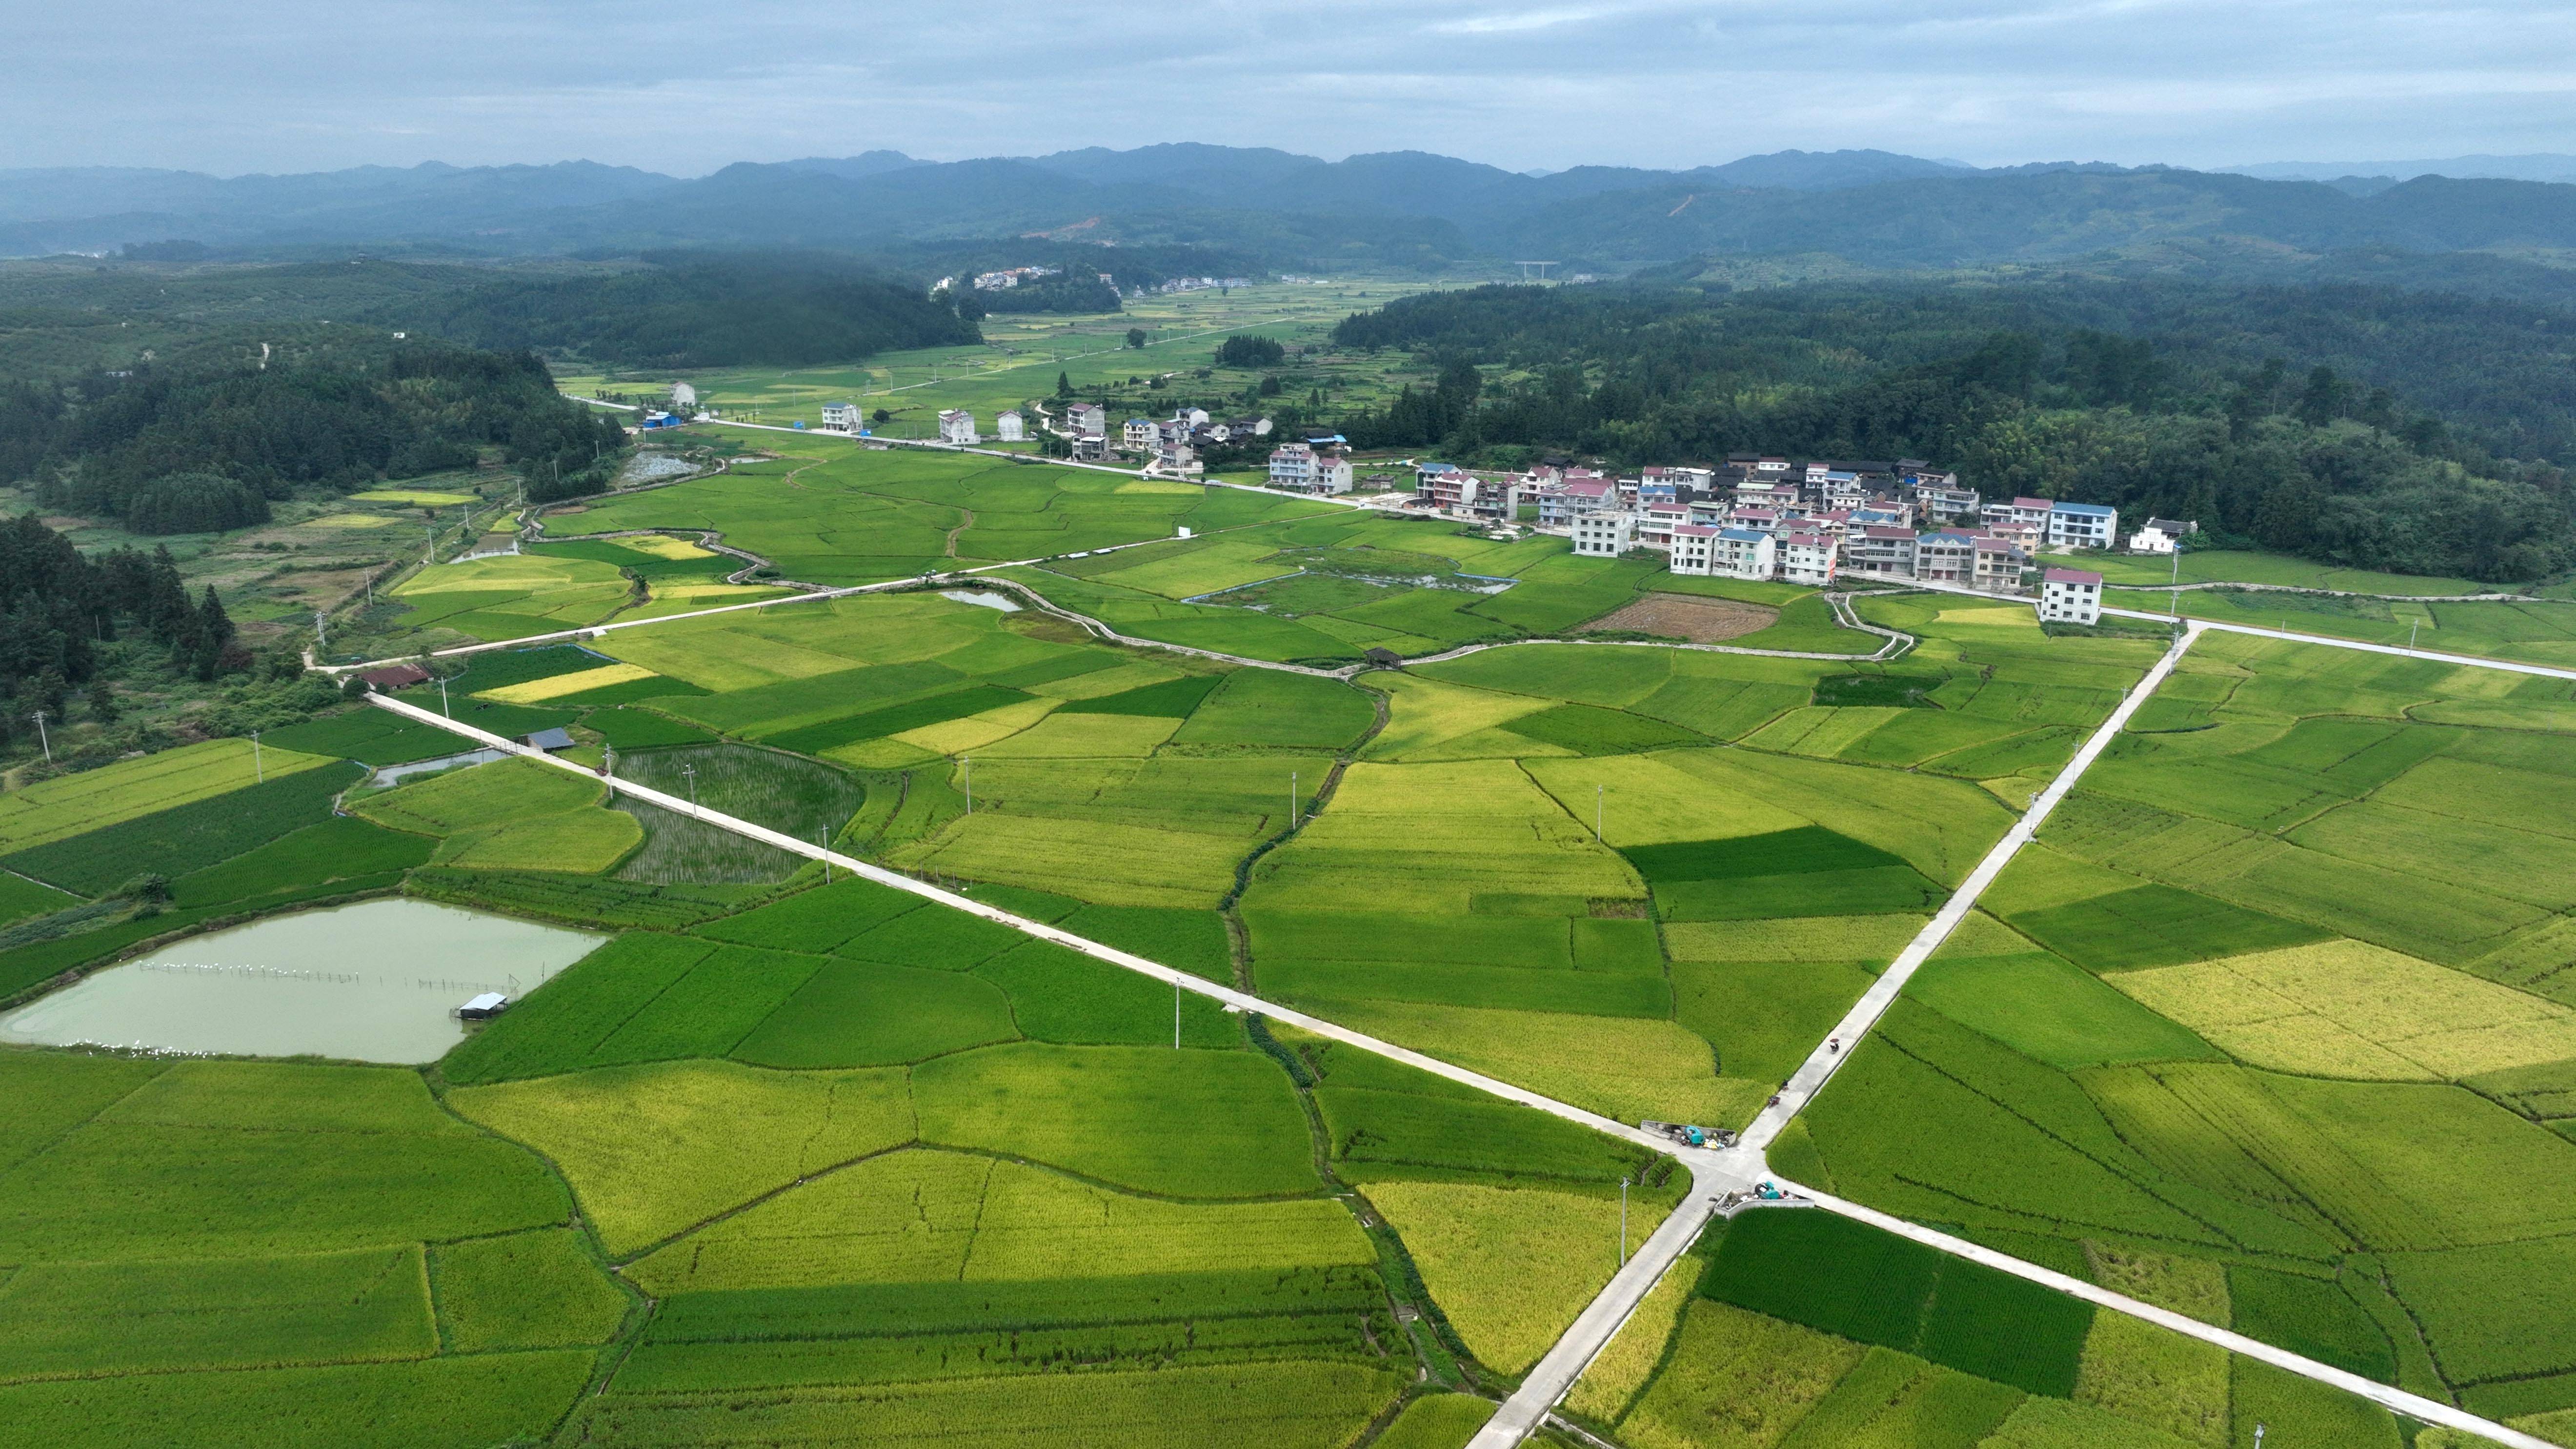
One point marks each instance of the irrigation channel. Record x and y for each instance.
(1720, 1179)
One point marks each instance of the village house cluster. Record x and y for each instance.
(1760, 517)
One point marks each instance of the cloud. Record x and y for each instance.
(302, 84)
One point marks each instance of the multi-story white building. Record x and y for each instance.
(1656, 521)
(1693, 544)
(1606, 533)
(1299, 468)
(1559, 502)
(1886, 553)
(1010, 427)
(1742, 553)
(2082, 525)
(1809, 558)
(1088, 420)
(958, 426)
(2070, 596)
(841, 417)
(1142, 434)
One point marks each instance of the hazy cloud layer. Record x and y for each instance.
(299, 84)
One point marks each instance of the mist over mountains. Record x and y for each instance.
(1404, 209)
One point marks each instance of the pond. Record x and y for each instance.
(378, 982)
(983, 598)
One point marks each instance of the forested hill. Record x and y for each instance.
(709, 310)
(201, 441)
(2365, 426)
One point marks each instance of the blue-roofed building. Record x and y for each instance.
(2082, 525)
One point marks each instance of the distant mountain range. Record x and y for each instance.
(1405, 209)
(2544, 166)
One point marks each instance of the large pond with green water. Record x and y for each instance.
(379, 981)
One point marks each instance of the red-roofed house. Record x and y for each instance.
(2070, 596)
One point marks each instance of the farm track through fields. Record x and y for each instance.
(1720, 1179)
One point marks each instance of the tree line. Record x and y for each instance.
(207, 441)
(2384, 446)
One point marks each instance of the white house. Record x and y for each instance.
(1142, 434)
(1088, 420)
(1010, 427)
(2082, 525)
(958, 426)
(1693, 543)
(2070, 596)
(2161, 535)
(841, 416)
(1809, 558)
(1299, 468)
(1607, 533)
(1742, 553)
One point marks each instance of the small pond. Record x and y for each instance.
(984, 598)
(378, 981)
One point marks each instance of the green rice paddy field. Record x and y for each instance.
(2274, 1025)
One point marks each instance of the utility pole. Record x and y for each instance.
(257, 768)
(691, 771)
(1596, 814)
(2411, 626)
(322, 622)
(1623, 1222)
(431, 556)
(969, 762)
(823, 837)
(1176, 1013)
(41, 738)
(1292, 799)
(2258, 1436)
(442, 700)
(2173, 598)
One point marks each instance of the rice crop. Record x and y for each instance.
(2046, 1423)
(464, 1402)
(581, 841)
(1510, 1267)
(370, 736)
(1612, 1381)
(895, 719)
(611, 904)
(1063, 996)
(1172, 699)
(2157, 925)
(479, 798)
(2302, 1410)
(1437, 1421)
(1763, 1018)
(858, 1014)
(674, 847)
(1186, 1123)
(2500, 1312)
(2040, 1006)
(1736, 1380)
(184, 1178)
(710, 1008)
(1621, 1067)
(523, 1290)
(2347, 1009)
(1871, 940)
(72, 805)
(801, 798)
(815, 920)
(1378, 1133)
(1268, 709)
(334, 850)
(60, 1319)
(1288, 1404)
(1859, 1283)
(654, 1149)
(1589, 730)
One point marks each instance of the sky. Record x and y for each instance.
(296, 85)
